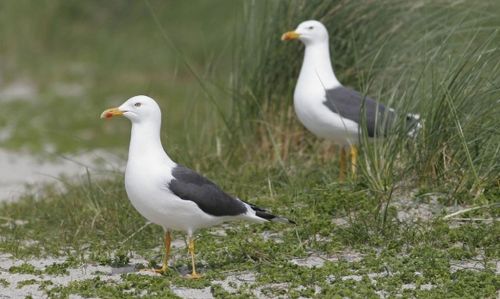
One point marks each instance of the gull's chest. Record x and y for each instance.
(309, 107)
(309, 98)
(307, 102)
(147, 188)
(149, 193)
(144, 174)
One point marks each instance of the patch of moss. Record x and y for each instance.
(25, 269)
(4, 282)
(26, 282)
(397, 253)
(132, 286)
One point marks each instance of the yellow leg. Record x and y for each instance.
(354, 159)
(193, 275)
(343, 159)
(166, 257)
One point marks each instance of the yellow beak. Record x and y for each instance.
(109, 113)
(290, 35)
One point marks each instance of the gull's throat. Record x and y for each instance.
(317, 67)
(145, 141)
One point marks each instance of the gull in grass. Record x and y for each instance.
(169, 194)
(330, 110)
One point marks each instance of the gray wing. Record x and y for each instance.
(349, 104)
(190, 185)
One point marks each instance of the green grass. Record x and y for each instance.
(436, 59)
(89, 224)
(440, 60)
(111, 51)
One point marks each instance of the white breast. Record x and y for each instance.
(320, 120)
(147, 189)
(316, 76)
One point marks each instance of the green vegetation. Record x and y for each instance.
(25, 283)
(437, 59)
(80, 58)
(4, 283)
(420, 253)
(221, 63)
(24, 269)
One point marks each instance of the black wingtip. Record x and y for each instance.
(262, 213)
(273, 218)
(283, 220)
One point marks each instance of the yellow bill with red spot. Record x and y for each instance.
(290, 35)
(111, 112)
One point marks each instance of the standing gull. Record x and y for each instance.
(169, 194)
(328, 109)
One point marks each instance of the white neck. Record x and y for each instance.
(145, 142)
(317, 67)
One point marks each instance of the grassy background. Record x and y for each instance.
(222, 64)
(436, 59)
(105, 53)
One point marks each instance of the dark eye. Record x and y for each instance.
(310, 27)
(137, 104)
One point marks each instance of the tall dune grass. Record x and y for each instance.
(441, 60)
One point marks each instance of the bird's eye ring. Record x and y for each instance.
(310, 27)
(137, 104)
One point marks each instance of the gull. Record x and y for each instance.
(330, 110)
(169, 194)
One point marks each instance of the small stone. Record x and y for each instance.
(427, 287)
(189, 293)
(352, 277)
(408, 286)
(309, 262)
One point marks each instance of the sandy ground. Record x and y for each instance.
(17, 286)
(20, 171)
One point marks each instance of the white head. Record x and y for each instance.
(139, 109)
(309, 32)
